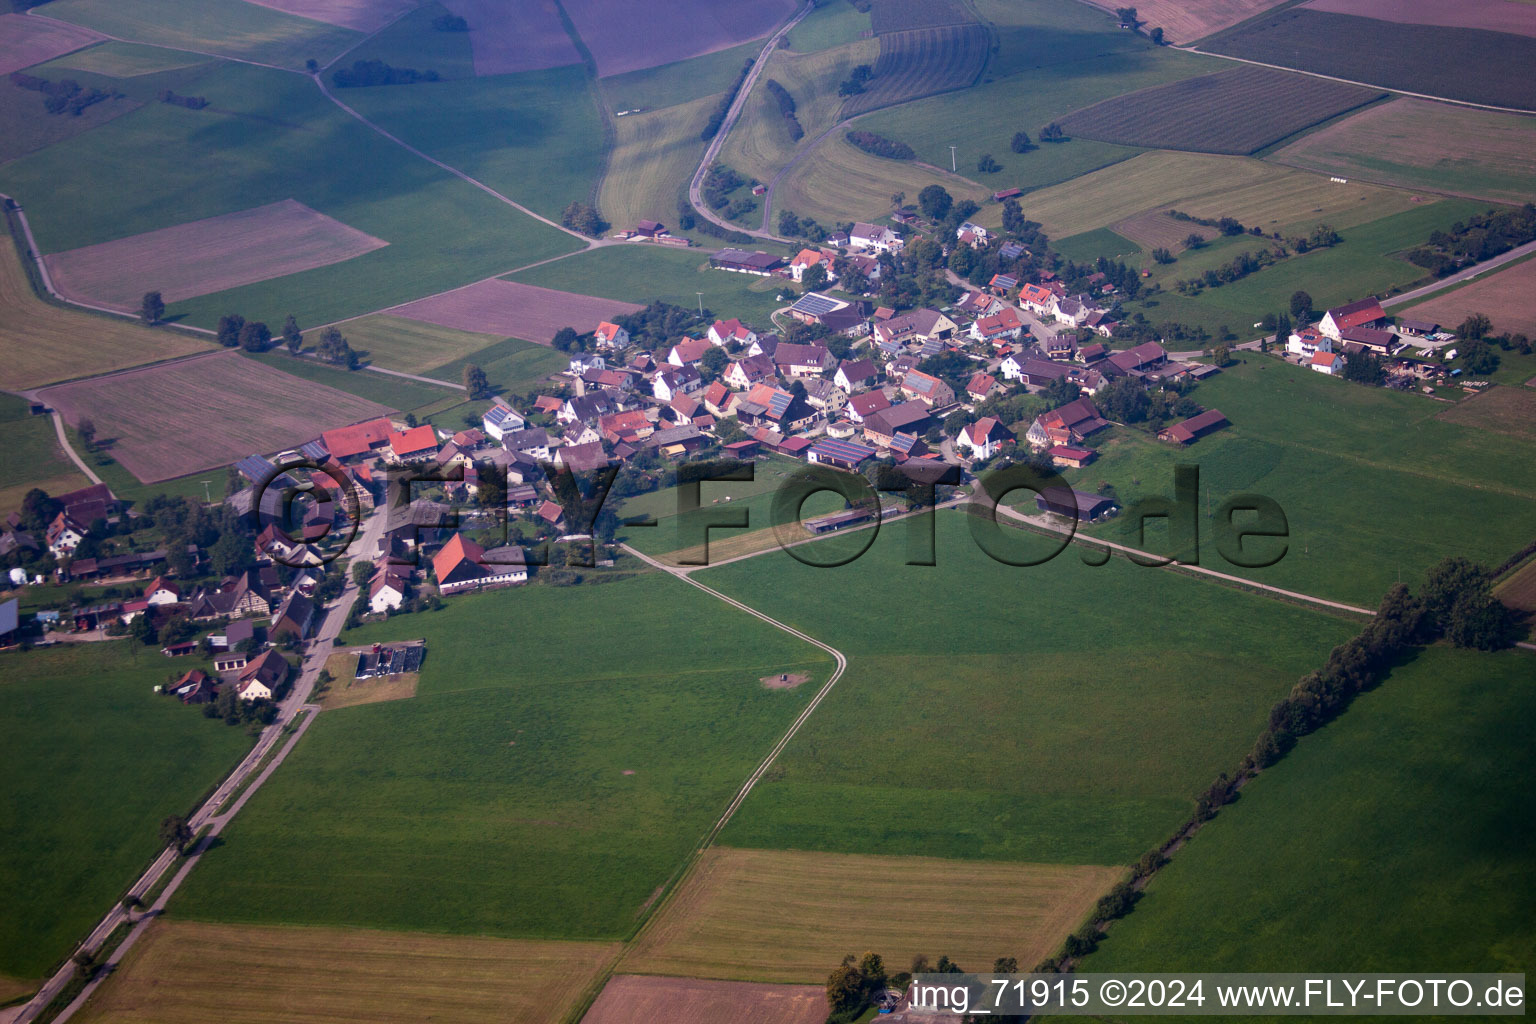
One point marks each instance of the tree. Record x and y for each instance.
(86, 428)
(1475, 327)
(1052, 133)
(1021, 142)
(174, 830)
(934, 201)
(229, 329)
(566, 340)
(583, 218)
(898, 199)
(814, 277)
(312, 66)
(152, 308)
(1479, 357)
(475, 381)
(1156, 35)
(229, 553)
(333, 348)
(1162, 255)
(362, 572)
(987, 165)
(1221, 355)
(1195, 240)
(1301, 305)
(292, 336)
(715, 359)
(255, 337)
(1365, 368)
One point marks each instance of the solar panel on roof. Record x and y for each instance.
(815, 304)
(314, 450)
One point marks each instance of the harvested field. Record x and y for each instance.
(311, 974)
(525, 36)
(166, 421)
(41, 343)
(207, 256)
(26, 40)
(1468, 64)
(836, 181)
(1209, 186)
(762, 915)
(1493, 15)
(1419, 144)
(1503, 410)
(627, 37)
(1155, 229)
(631, 999)
(1519, 591)
(1508, 297)
(514, 310)
(363, 15)
(1184, 21)
(922, 62)
(1236, 112)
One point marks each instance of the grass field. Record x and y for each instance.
(268, 136)
(339, 974)
(535, 136)
(1256, 193)
(1503, 410)
(1508, 297)
(1361, 849)
(1238, 112)
(1468, 62)
(761, 915)
(682, 81)
(530, 789)
(510, 365)
(760, 144)
(654, 155)
(43, 343)
(642, 273)
(836, 182)
(1314, 445)
(412, 42)
(922, 62)
(1090, 245)
(411, 345)
(1368, 262)
(228, 28)
(1024, 722)
(31, 456)
(82, 731)
(830, 24)
(393, 392)
(124, 60)
(1419, 144)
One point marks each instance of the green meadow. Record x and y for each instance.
(1395, 839)
(566, 749)
(1374, 485)
(1058, 713)
(267, 136)
(94, 760)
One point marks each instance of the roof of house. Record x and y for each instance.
(922, 384)
(606, 331)
(344, 442)
(416, 439)
(452, 554)
(755, 260)
(1196, 426)
(800, 355)
(854, 370)
(850, 452)
(582, 457)
(869, 402)
(1368, 336)
(890, 420)
(1324, 358)
(1353, 314)
(981, 384)
(550, 511)
(988, 428)
(1004, 320)
(1066, 451)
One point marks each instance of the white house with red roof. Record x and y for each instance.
(610, 336)
(161, 591)
(1005, 324)
(1328, 362)
(983, 438)
(805, 259)
(413, 444)
(1364, 313)
(723, 332)
(64, 535)
(1036, 299)
(689, 351)
(866, 404)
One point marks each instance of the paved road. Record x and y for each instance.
(318, 649)
(713, 150)
(1516, 253)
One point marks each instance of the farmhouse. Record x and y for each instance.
(874, 236)
(1140, 359)
(881, 428)
(414, 444)
(294, 617)
(1367, 339)
(1364, 313)
(738, 261)
(360, 439)
(464, 565)
(386, 590)
(749, 371)
(610, 336)
(984, 437)
(581, 458)
(679, 380)
(805, 259)
(981, 386)
(261, 679)
(979, 304)
(195, 687)
(1306, 342)
(1070, 457)
(1069, 424)
(1328, 362)
(1037, 299)
(64, 535)
(689, 352)
(1194, 428)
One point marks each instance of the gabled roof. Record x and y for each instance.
(854, 370)
(344, 442)
(1353, 314)
(869, 402)
(690, 350)
(416, 439)
(800, 355)
(981, 384)
(452, 559)
(849, 452)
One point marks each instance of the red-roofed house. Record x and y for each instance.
(805, 259)
(866, 404)
(357, 440)
(1004, 325)
(610, 336)
(1194, 428)
(1328, 362)
(1364, 313)
(161, 591)
(723, 332)
(626, 426)
(1038, 300)
(982, 386)
(689, 351)
(415, 443)
(462, 565)
(984, 437)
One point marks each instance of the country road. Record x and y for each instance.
(1477, 269)
(209, 813)
(731, 115)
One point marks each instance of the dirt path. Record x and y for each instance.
(74, 456)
